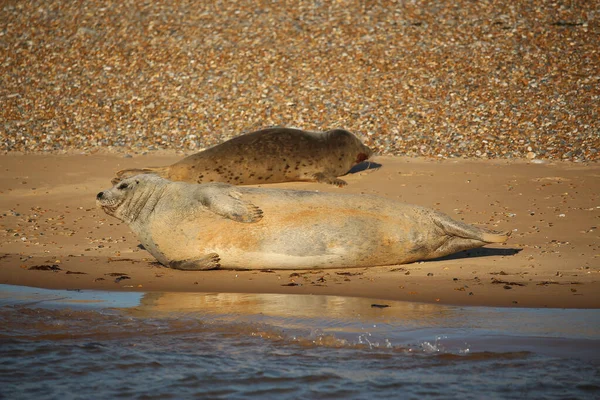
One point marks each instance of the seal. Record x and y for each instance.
(206, 226)
(269, 156)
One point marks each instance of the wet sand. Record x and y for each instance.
(53, 236)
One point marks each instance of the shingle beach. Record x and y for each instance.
(485, 79)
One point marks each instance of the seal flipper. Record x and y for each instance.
(210, 261)
(465, 231)
(459, 236)
(322, 177)
(225, 201)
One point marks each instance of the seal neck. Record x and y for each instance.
(142, 203)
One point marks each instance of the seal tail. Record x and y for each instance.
(128, 173)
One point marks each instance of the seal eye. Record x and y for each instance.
(122, 186)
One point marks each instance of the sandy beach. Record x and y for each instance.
(487, 111)
(53, 235)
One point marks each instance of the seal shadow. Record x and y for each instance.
(479, 252)
(363, 166)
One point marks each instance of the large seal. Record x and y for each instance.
(205, 226)
(269, 156)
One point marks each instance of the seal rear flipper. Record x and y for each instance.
(468, 232)
(210, 261)
(322, 177)
(227, 202)
(454, 244)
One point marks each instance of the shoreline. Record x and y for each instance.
(48, 217)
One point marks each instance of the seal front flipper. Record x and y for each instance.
(210, 261)
(224, 200)
(322, 177)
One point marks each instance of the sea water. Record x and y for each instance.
(89, 344)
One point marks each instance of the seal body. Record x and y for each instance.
(205, 226)
(269, 156)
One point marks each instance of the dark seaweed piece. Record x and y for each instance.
(379, 305)
(53, 267)
(545, 283)
(110, 259)
(499, 282)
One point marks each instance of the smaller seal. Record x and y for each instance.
(268, 156)
(195, 227)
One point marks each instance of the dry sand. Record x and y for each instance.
(48, 218)
(495, 81)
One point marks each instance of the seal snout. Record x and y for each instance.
(365, 152)
(362, 157)
(99, 196)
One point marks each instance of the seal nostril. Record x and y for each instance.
(99, 195)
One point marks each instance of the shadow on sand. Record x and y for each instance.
(479, 252)
(363, 166)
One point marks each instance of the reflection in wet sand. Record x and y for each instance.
(286, 305)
